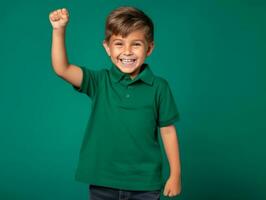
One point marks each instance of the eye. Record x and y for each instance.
(137, 44)
(118, 43)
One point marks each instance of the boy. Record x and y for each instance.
(120, 155)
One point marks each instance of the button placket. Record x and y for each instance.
(128, 94)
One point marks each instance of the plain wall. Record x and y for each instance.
(211, 52)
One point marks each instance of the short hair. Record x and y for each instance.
(125, 20)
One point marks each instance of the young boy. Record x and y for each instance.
(120, 155)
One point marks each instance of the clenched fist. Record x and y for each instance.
(59, 18)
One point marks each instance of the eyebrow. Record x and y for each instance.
(133, 40)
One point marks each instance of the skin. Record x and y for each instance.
(170, 142)
(133, 46)
(59, 18)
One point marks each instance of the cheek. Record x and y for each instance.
(141, 53)
(114, 52)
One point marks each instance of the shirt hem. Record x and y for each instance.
(119, 184)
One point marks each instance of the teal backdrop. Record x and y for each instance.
(211, 52)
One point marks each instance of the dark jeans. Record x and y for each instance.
(107, 193)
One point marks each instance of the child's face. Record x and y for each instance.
(129, 53)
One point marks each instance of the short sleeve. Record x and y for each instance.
(89, 84)
(167, 109)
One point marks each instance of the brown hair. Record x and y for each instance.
(124, 20)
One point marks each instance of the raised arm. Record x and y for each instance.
(69, 72)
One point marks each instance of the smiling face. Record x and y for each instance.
(130, 52)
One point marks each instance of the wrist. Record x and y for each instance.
(59, 30)
(175, 173)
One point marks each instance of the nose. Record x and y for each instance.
(127, 50)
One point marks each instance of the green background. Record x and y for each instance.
(211, 52)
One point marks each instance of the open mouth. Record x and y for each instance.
(127, 61)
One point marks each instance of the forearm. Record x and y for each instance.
(170, 141)
(59, 55)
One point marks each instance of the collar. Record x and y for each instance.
(145, 74)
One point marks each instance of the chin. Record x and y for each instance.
(127, 69)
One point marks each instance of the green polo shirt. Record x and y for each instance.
(120, 148)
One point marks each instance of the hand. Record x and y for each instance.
(172, 187)
(59, 18)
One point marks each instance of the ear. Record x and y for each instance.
(106, 47)
(150, 48)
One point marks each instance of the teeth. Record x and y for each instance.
(127, 61)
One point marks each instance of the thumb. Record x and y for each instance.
(64, 13)
(166, 191)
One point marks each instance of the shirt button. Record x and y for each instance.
(127, 95)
